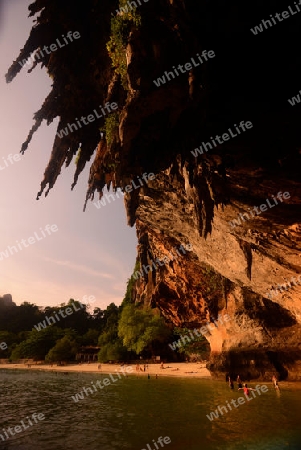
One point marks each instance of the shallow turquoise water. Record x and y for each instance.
(132, 412)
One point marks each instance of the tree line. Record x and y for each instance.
(123, 333)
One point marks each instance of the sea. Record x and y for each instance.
(141, 413)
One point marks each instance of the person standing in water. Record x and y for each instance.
(231, 384)
(275, 382)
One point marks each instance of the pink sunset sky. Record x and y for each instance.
(92, 253)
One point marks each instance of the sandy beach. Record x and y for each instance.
(191, 370)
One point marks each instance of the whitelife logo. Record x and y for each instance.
(53, 48)
(128, 188)
(29, 241)
(68, 311)
(3, 346)
(11, 158)
(214, 414)
(128, 7)
(165, 260)
(284, 14)
(18, 428)
(166, 440)
(263, 208)
(90, 118)
(294, 100)
(223, 138)
(184, 68)
(81, 395)
(280, 287)
(203, 330)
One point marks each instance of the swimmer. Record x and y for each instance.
(246, 389)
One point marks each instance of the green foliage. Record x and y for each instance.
(11, 339)
(139, 328)
(112, 351)
(128, 298)
(111, 315)
(106, 337)
(79, 320)
(80, 326)
(38, 344)
(110, 128)
(137, 265)
(118, 331)
(121, 26)
(21, 351)
(64, 350)
(19, 318)
(90, 338)
(111, 348)
(212, 282)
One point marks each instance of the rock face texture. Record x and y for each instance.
(232, 267)
(230, 270)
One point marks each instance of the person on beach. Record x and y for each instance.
(246, 389)
(231, 384)
(239, 383)
(275, 382)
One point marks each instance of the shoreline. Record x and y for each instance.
(171, 370)
(189, 370)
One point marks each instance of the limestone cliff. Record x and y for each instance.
(230, 270)
(192, 199)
